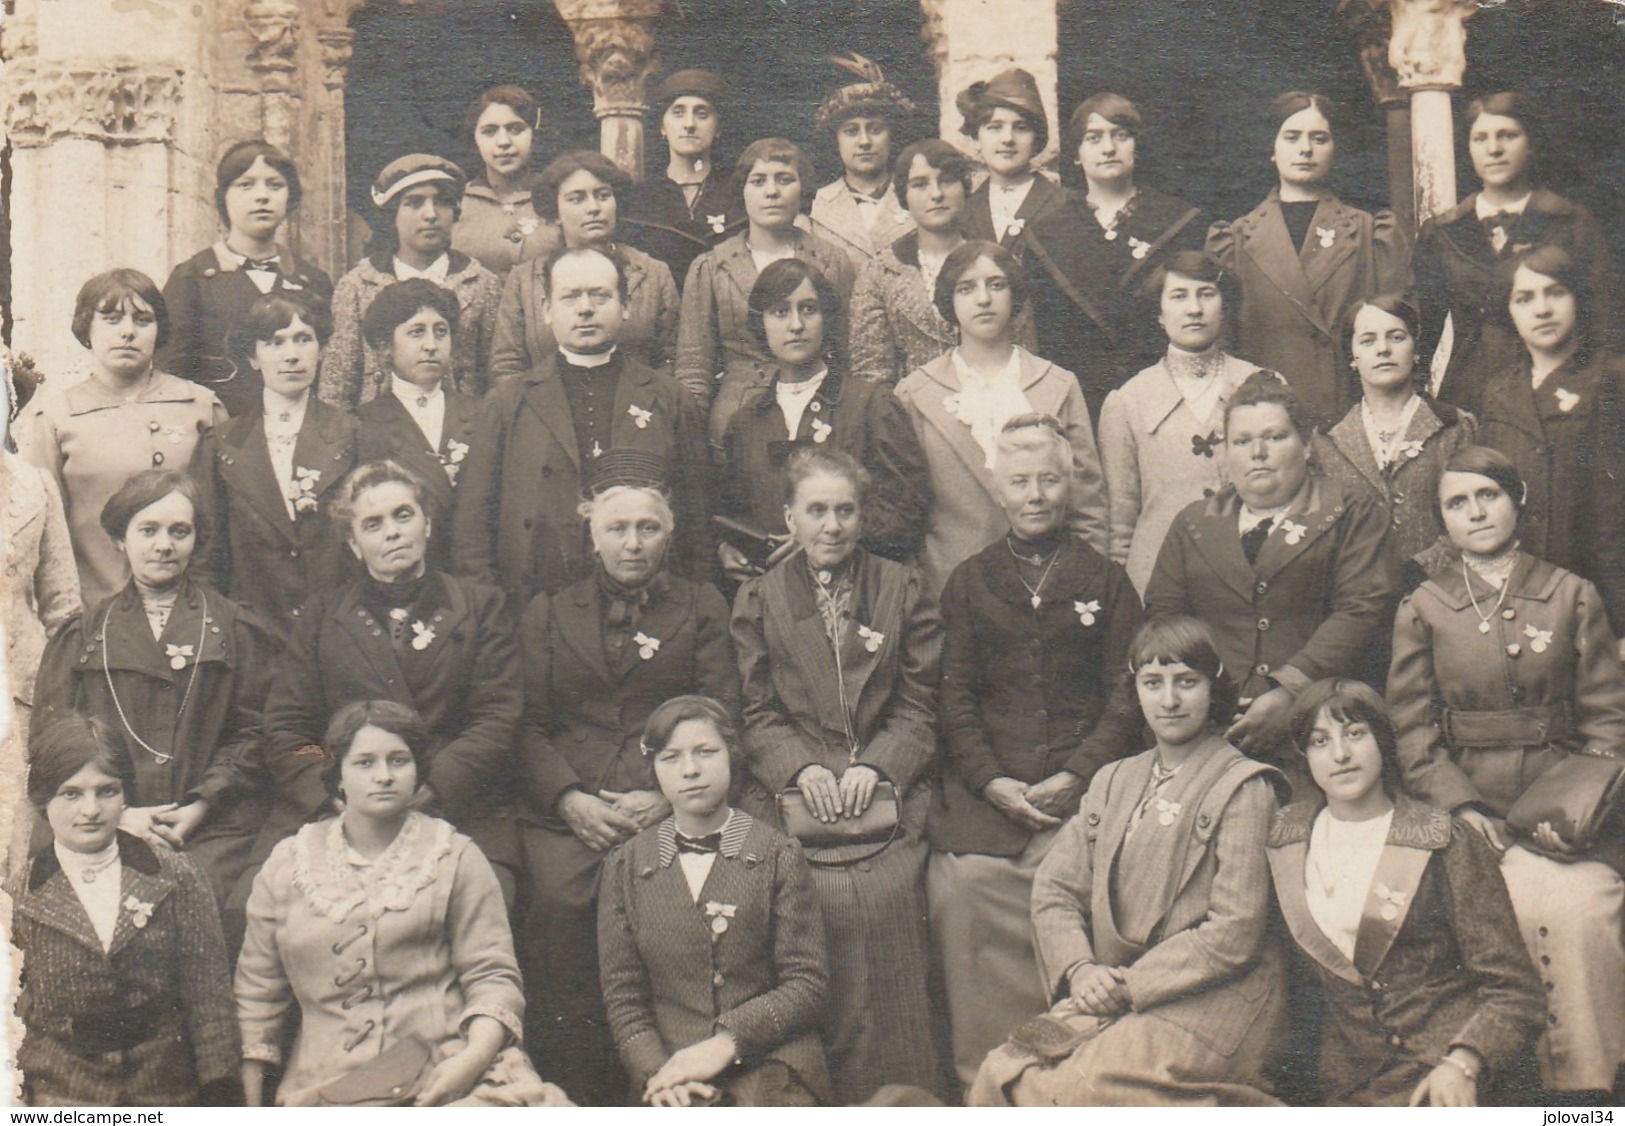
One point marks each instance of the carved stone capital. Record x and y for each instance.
(1428, 45)
(274, 27)
(617, 56)
(128, 104)
(337, 45)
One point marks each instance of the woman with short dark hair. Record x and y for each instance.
(581, 192)
(256, 189)
(1005, 119)
(91, 434)
(1304, 258)
(499, 226)
(127, 997)
(1095, 259)
(384, 928)
(272, 466)
(1505, 674)
(178, 668)
(1461, 251)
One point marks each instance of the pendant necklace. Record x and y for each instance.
(1483, 618)
(197, 662)
(1036, 599)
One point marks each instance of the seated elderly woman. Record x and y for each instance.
(1151, 910)
(127, 996)
(811, 399)
(1401, 917)
(1037, 628)
(384, 928)
(1505, 681)
(838, 653)
(181, 671)
(582, 191)
(598, 657)
(713, 967)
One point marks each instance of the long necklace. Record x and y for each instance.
(159, 756)
(1483, 618)
(1037, 598)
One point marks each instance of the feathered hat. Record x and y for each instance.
(872, 97)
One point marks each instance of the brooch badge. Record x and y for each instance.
(1326, 235)
(718, 223)
(1293, 533)
(304, 488)
(640, 417)
(140, 912)
(873, 639)
(177, 655)
(1393, 902)
(647, 646)
(422, 636)
(1139, 248)
(1167, 811)
(1539, 639)
(452, 460)
(719, 914)
(1566, 400)
(821, 430)
(1086, 611)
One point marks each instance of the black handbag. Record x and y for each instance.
(879, 824)
(1578, 795)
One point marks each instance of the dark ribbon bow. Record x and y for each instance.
(1203, 447)
(267, 264)
(710, 843)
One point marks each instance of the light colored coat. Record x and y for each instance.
(42, 586)
(1158, 457)
(838, 218)
(967, 513)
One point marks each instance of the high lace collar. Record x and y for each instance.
(335, 887)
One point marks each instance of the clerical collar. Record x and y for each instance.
(587, 359)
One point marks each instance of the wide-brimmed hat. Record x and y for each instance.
(409, 171)
(690, 83)
(873, 97)
(1010, 89)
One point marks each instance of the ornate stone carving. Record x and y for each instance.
(617, 57)
(337, 45)
(1372, 27)
(1428, 46)
(274, 26)
(128, 104)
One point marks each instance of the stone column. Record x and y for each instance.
(108, 111)
(615, 45)
(326, 204)
(972, 40)
(1428, 52)
(1369, 19)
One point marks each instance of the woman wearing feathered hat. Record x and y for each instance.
(1005, 117)
(860, 212)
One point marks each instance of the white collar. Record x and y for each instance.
(277, 403)
(1484, 208)
(806, 389)
(587, 359)
(969, 376)
(77, 864)
(437, 271)
(410, 393)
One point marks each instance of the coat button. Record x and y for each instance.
(1262, 588)
(153, 427)
(157, 459)
(1262, 669)
(1509, 613)
(1041, 749)
(294, 553)
(1543, 932)
(1394, 1041)
(547, 471)
(716, 980)
(1263, 624)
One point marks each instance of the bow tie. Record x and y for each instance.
(711, 843)
(268, 265)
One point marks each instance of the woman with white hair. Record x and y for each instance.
(599, 657)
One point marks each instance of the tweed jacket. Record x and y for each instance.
(206, 295)
(501, 233)
(1554, 435)
(895, 324)
(1456, 268)
(516, 524)
(419, 947)
(861, 418)
(1409, 486)
(1158, 457)
(169, 956)
(92, 441)
(464, 682)
(353, 372)
(660, 222)
(269, 561)
(1028, 691)
(1314, 604)
(523, 337)
(672, 980)
(105, 663)
(1447, 970)
(1181, 906)
(1043, 198)
(966, 513)
(42, 585)
(1481, 715)
(1093, 313)
(717, 354)
(588, 693)
(385, 429)
(1293, 300)
(838, 219)
(792, 711)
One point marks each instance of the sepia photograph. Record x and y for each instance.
(806, 553)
